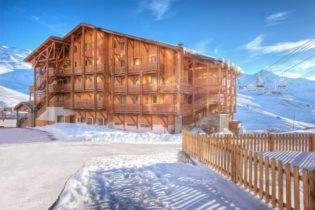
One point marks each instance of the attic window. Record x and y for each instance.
(137, 61)
(153, 59)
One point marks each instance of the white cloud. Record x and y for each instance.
(53, 24)
(276, 18)
(256, 45)
(158, 8)
(202, 46)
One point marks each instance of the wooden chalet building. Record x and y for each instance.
(99, 76)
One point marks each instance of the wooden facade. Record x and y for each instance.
(105, 77)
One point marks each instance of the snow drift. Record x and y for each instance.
(84, 132)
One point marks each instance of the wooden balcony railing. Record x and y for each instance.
(119, 70)
(168, 88)
(84, 104)
(214, 99)
(89, 86)
(78, 86)
(186, 88)
(120, 88)
(149, 88)
(135, 69)
(186, 108)
(159, 109)
(100, 68)
(127, 108)
(78, 71)
(89, 70)
(134, 89)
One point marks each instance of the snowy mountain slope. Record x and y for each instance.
(19, 80)
(10, 98)
(269, 107)
(15, 75)
(12, 58)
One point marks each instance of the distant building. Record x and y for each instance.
(99, 76)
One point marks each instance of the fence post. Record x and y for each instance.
(271, 142)
(312, 142)
(312, 188)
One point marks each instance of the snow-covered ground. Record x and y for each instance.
(151, 182)
(84, 132)
(35, 169)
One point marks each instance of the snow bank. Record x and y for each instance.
(151, 182)
(84, 132)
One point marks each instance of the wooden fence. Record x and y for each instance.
(234, 156)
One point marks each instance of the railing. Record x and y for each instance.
(159, 108)
(135, 69)
(147, 88)
(127, 108)
(84, 104)
(89, 70)
(168, 88)
(213, 99)
(134, 89)
(78, 70)
(120, 70)
(89, 86)
(234, 156)
(78, 86)
(186, 88)
(120, 88)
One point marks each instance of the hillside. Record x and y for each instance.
(15, 76)
(289, 107)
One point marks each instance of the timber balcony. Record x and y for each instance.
(149, 88)
(60, 72)
(61, 103)
(186, 88)
(84, 104)
(136, 69)
(168, 88)
(133, 89)
(127, 108)
(120, 89)
(159, 109)
(59, 88)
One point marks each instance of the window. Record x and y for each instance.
(122, 99)
(153, 99)
(153, 59)
(190, 77)
(189, 99)
(122, 63)
(75, 64)
(153, 79)
(137, 61)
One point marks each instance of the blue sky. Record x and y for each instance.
(252, 34)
